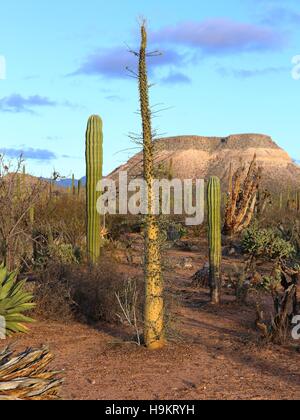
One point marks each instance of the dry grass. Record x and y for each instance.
(83, 292)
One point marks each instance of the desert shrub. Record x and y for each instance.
(266, 243)
(290, 230)
(240, 279)
(50, 246)
(87, 293)
(270, 284)
(129, 310)
(95, 290)
(64, 217)
(53, 294)
(103, 293)
(118, 225)
(92, 294)
(18, 193)
(284, 296)
(175, 231)
(62, 253)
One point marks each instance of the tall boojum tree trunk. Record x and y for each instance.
(154, 305)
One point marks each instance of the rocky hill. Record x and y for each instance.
(200, 157)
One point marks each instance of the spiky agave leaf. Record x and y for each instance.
(13, 302)
(25, 377)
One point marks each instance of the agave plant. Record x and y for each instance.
(13, 302)
(26, 376)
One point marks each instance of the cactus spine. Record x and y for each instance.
(154, 303)
(94, 164)
(214, 237)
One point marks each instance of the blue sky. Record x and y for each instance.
(226, 68)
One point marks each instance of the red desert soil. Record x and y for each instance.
(218, 355)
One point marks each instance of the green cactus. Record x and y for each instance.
(79, 187)
(94, 164)
(73, 185)
(214, 237)
(171, 170)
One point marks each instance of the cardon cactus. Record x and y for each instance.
(94, 164)
(214, 237)
(73, 185)
(79, 187)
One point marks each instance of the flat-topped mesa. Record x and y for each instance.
(201, 157)
(235, 142)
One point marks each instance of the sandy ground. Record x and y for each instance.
(217, 355)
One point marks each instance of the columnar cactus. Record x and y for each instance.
(94, 164)
(154, 303)
(214, 237)
(73, 185)
(79, 187)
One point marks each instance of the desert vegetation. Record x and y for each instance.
(144, 285)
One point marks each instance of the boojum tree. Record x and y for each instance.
(154, 333)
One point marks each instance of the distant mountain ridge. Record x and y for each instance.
(67, 182)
